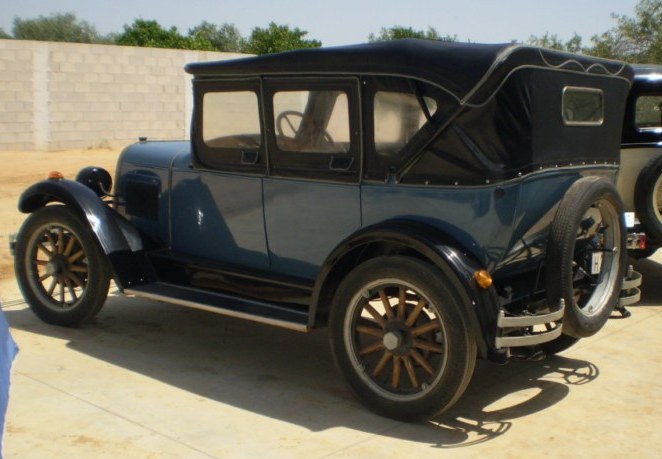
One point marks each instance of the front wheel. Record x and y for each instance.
(60, 267)
(400, 337)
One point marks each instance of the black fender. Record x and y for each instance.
(423, 241)
(119, 240)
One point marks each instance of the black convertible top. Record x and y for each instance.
(470, 72)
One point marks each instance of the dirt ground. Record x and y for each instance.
(21, 169)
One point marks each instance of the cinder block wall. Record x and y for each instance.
(55, 96)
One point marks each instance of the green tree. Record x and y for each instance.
(56, 27)
(397, 32)
(150, 34)
(225, 37)
(637, 39)
(4, 34)
(276, 38)
(574, 45)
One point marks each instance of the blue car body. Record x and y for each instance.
(261, 231)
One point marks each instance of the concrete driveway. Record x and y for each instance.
(149, 380)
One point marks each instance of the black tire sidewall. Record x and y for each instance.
(560, 254)
(461, 344)
(643, 199)
(98, 277)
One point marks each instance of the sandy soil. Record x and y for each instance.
(20, 169)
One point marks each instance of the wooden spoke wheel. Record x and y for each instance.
(400, 336)
(398, 340)
(60, 267)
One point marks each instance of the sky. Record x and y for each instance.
(347, 21)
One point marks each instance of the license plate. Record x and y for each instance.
(596, 262)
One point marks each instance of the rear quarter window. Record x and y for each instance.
(583, 106)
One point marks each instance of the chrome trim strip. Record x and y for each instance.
(530, 340)
(218, 310)
(528, 321)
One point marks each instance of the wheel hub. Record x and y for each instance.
(392, 340)
(56, 266)
(397, 338)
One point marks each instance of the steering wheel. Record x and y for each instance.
(284, 117)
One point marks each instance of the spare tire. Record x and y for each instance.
(585, 257)
(648, 198)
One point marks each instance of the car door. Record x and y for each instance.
(216, 196)
(311, 194)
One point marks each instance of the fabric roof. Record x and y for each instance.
(470, 72)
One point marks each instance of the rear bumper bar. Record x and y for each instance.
(529, 330)
(525, 327)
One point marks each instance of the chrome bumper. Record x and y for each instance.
(517, 331)
(630, 292)
(526, 324)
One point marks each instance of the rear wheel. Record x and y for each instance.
(399, 336)
(60, 268)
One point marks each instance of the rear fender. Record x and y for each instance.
(425, 242)
(119, 240)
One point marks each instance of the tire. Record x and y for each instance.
(588, 221)
(560, 344)
(414, 360)
(60, 268)
(648, 198)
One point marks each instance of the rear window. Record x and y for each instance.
(583, 106)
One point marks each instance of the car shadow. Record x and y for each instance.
(291, 376)
(499, 395)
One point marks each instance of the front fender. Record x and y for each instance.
(119, 240)
(421, 240)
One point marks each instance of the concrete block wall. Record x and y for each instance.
(55, 96)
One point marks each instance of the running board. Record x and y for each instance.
(220, 303)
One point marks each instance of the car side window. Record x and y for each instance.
(312, 121)
(401, 116)
(398, 116)
(231, 119)
(228, 131)
(648, 113)
(313, 128)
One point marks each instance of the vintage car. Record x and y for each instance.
(430, 202)
(640, 178)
